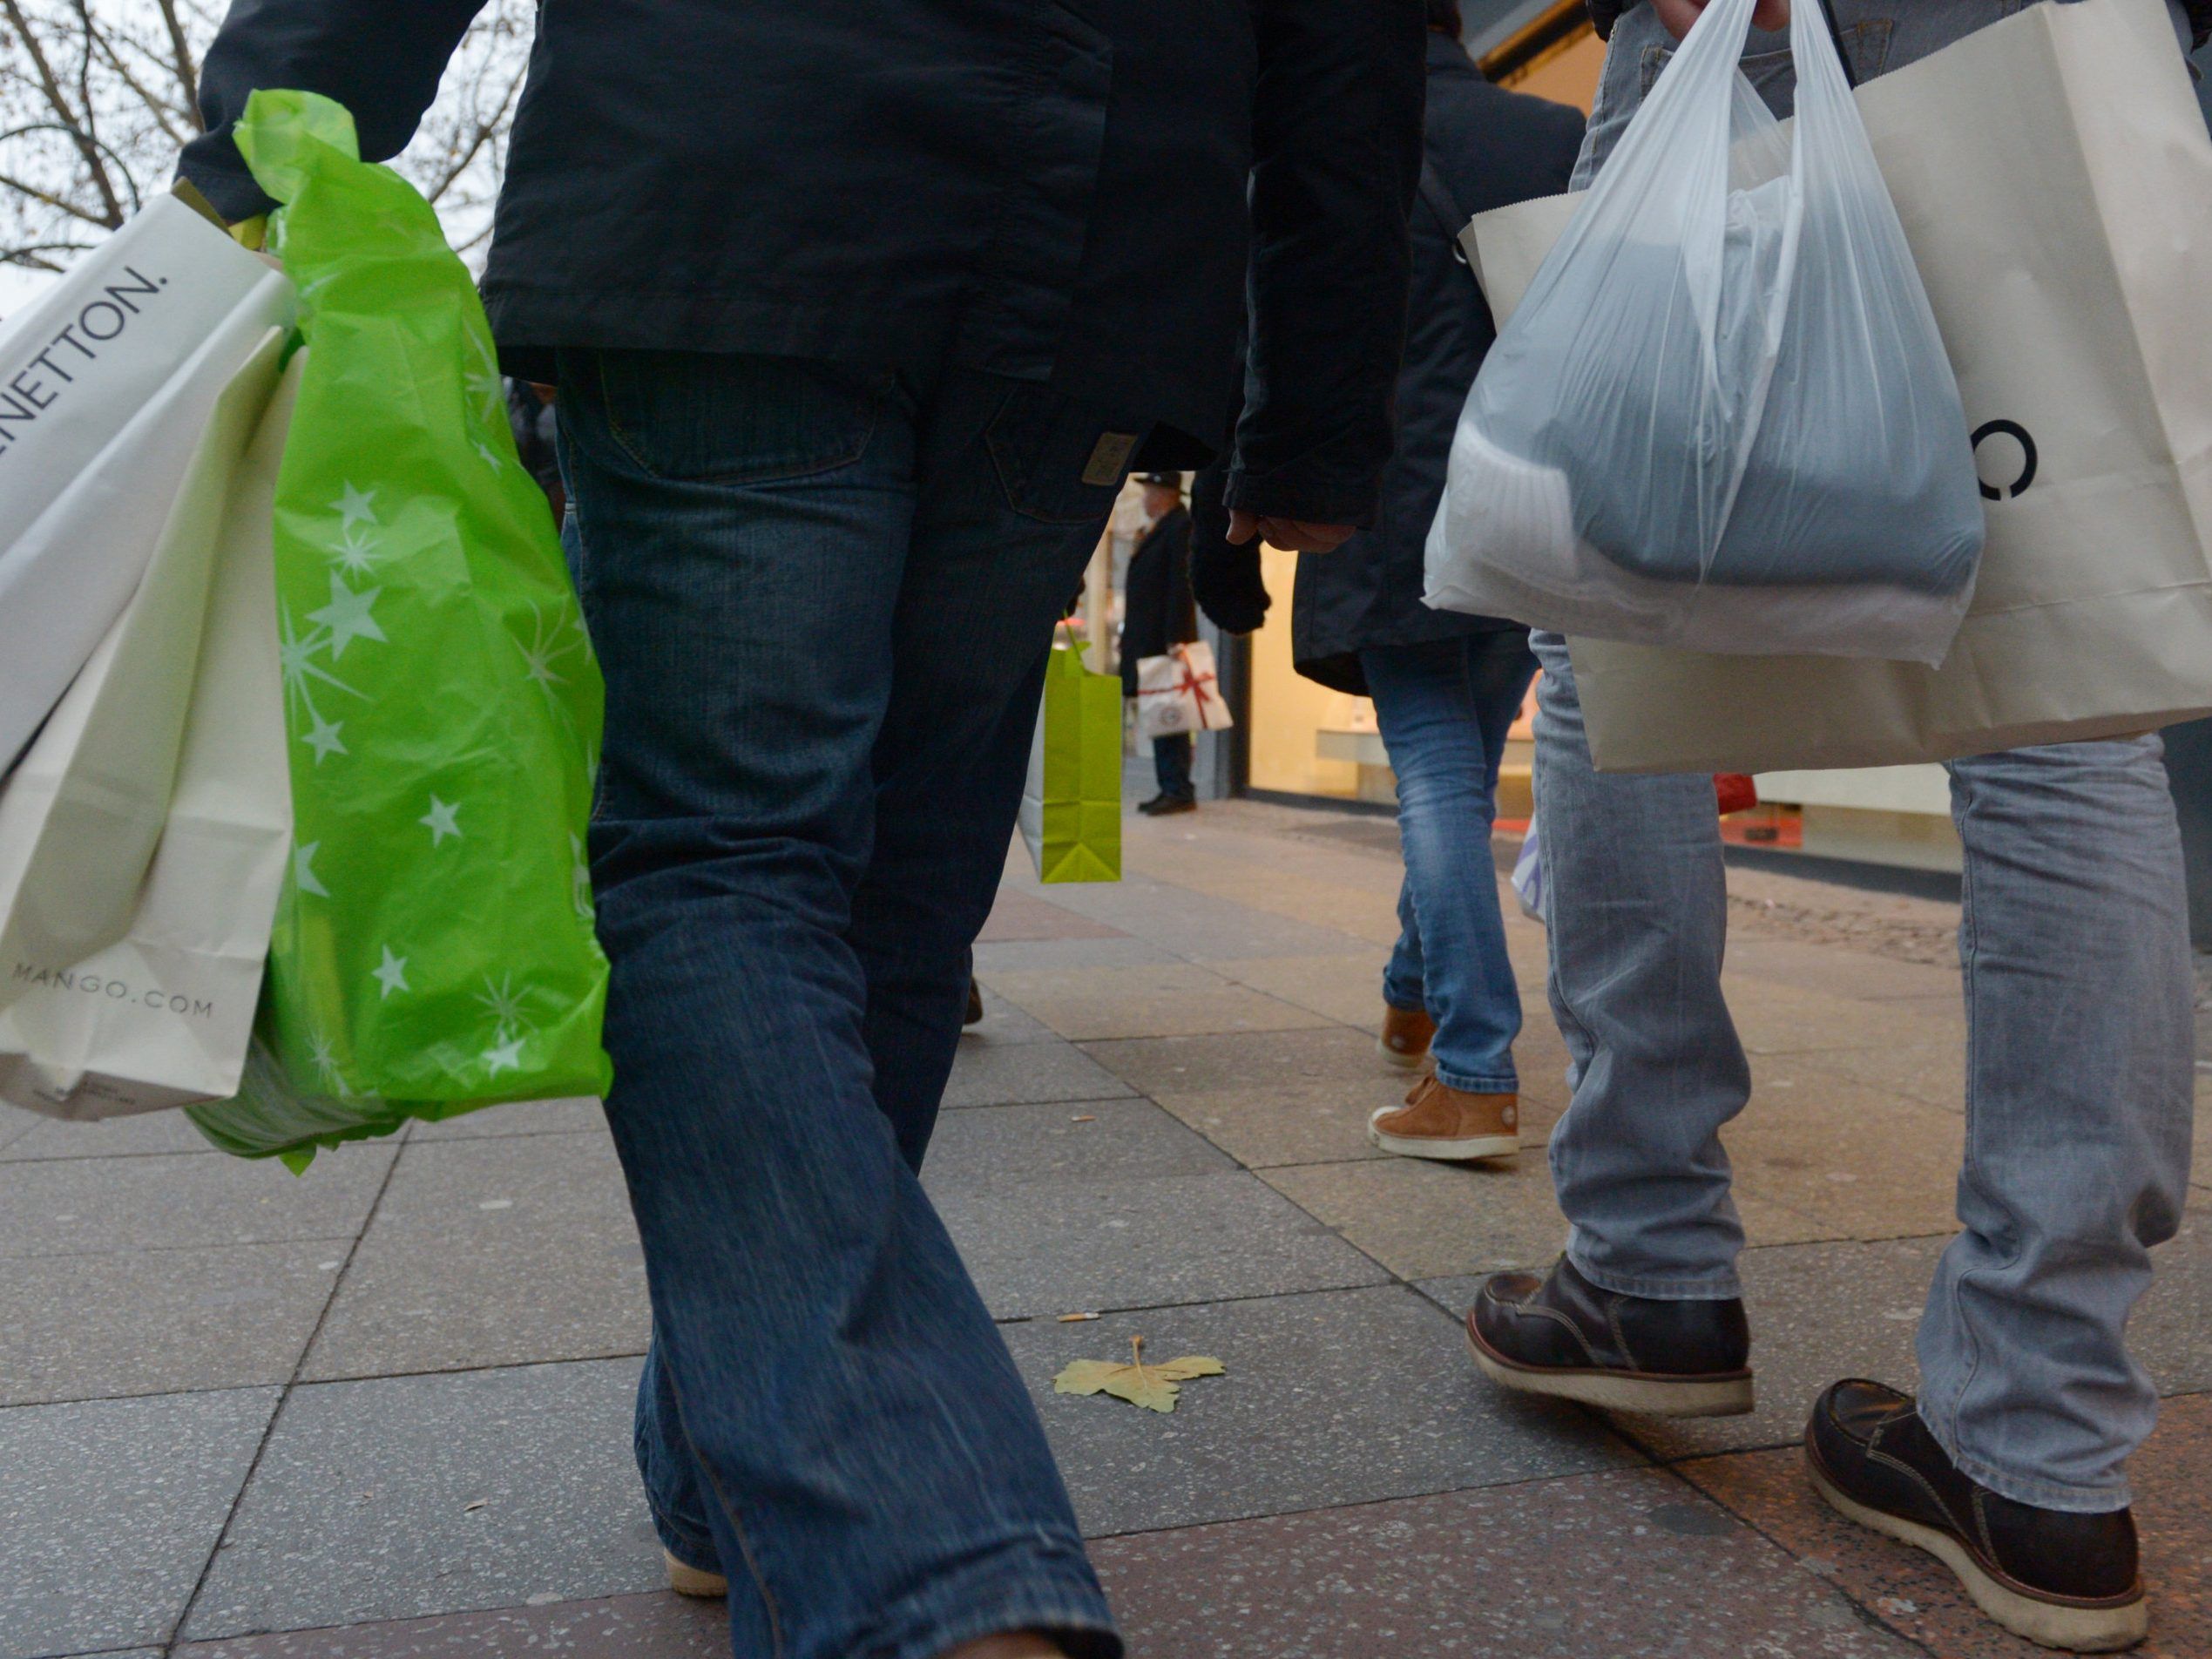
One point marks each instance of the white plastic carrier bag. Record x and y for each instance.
(163, 1016)
(1722, 416)
(106, 381)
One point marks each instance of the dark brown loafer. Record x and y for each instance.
(1562, 1336)
(2063, 1580)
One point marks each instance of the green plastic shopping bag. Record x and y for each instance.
(1070, 814)
(434, 948)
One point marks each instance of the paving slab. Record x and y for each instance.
(505, 1250)
(1773, 1018)
(1016, 915)
(1115, 950)
(1425, 1220)
(986, 1073)
(1166, 999)
(25, 1134)
(73, 1206)
(1818, 1312)
(1049, 1247)
(1842, 972)
(1003, 1024)
(1933, 1072)
(1627, 1564)
(362, 1507)
(617, 1627)
(1193, 923)
(1083, 1141)
(1345, 1398)
(1913, 1595)
(109, 1509)
(150, 1321)
(521, 1117)
(2171, 1329)
(1346, 988)
(1170, 1068)
(1863, 1162)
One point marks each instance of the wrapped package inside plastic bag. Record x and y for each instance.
(1722, 416)
(434, 949)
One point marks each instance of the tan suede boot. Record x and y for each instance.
(1440, 1121)
(694, 1581)
(1407, 1033)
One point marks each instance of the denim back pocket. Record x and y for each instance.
(703, 417)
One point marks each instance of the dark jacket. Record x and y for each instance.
(1489, 147)
(995, 184)
(1158, 610)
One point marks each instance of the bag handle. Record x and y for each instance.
(1836, 34)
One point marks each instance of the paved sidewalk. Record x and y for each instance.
(383, 1410)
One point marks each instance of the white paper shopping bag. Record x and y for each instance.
(2054, 179)
(1181, 692)
(104, 383)
(163, 1017)
(81, 816)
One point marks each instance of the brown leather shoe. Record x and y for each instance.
(1440, 1121)
(1562, 1336)
(1407, 1033)
(2063, 1580)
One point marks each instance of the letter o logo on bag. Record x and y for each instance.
(2014, 430)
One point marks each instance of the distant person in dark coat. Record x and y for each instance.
(1446, 687)
(1159, 612)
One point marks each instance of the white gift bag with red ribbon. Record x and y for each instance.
(1181, 692)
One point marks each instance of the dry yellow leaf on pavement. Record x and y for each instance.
(1153, 1387)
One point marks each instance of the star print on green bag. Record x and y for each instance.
(434, 948)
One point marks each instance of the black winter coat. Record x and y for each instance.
(1159, 611)
(1490, 148)
(993, 185)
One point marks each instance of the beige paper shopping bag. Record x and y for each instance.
(106, 381)
(81, 815)
(163, 1017)
(2054, 179)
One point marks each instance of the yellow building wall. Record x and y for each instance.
(1287, 709)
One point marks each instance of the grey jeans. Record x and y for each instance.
(2079, 1077)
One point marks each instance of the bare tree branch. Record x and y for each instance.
(70, 119)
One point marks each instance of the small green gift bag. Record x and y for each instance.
(1072, 808)
(434, 948)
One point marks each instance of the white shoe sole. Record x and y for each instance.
(2074, 1629)
(1471, 1150)
(1616, 1392)
(692, 1580)
(1402, 1062)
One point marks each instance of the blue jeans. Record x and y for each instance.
(1445, 709)
(2080, 1085)
(823, 598)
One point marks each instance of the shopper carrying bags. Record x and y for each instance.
(2010, 1466)
(842, 420)
(1446, 685)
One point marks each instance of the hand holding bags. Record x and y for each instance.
(1721, 417)
(1071, 816)
(2053, 175)
(162, 1017)
(106, 383)
(434, 948)
(1181, 692)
